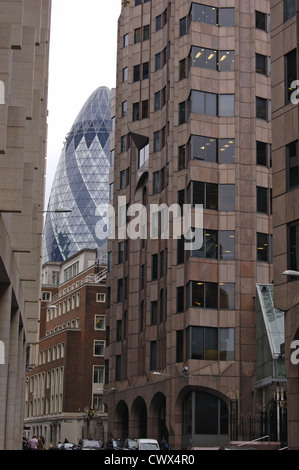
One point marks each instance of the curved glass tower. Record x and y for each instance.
(81, 183)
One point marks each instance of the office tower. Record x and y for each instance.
(192, 127)
(284, 38)
(24, 50)
(81, 183)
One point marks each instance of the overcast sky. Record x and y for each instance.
(82, 58)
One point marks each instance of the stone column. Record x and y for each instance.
(5, 314)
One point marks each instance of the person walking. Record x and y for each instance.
(33, 442)
(163, 444)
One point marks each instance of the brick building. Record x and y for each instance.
(67, 380)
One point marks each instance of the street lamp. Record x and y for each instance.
(290, 272)
(60, 210)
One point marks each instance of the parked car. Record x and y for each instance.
(130, 444)
(68, 446)
(147, 444)
(114, 444)
(88, 444)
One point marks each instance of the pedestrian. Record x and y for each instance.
(33, 442)
(163, 444)
(25, 443)
(41, 443)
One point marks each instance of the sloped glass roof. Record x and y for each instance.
(270, 336)
(273, 318)
(81, 183)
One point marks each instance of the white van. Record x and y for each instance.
(147, 444)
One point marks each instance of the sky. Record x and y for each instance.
(82, 58)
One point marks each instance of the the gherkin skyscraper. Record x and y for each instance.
(81, 183)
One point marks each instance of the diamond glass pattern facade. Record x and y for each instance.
(81, 183)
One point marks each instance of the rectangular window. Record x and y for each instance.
(204, 103)
(118, 330)
(226, 105)
(157, 101)
(145, 110)
(146, 32)
(292, 164)
(290, 74)
(203, 294)
(204, 14)
(119, 290)
(100, 297)
(209, 248)
(262, 240)
(155, 266)
(158, 61)
(136, 73)
(98, 374)
(203, 58)
(226, 295)
(293, 250)
(203, 148)
(123, 143)
(117, 368)
(183, 26)
(154, 311)
(206, 343)
(261, 62)
(145, 70)
(227, 344)
(182, 69)
(99, 322)
(262, 200)
(227, 197)
(99, 347)
(156, 182)
(227, 244)
(226, 151)
(261, 20)
(156, 141)
(226, 61)
(125, 74)
(125, 40)
(226, 17)
(180, 346)
(262, 153)
(203, 193)
(122, 180)
(289, 9)
(121, 253)
(153, 355)
(137, 35)
(261, 108)
(182, 112)
(180, 299)
(181, 157)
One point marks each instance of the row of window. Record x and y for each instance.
(70, 304)
(206, 14)
(206, 149)
(205, 343)
(74, 323)
(215, 150)
(211, 196)
(223, 61)
(213, 104)
(222, 16)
